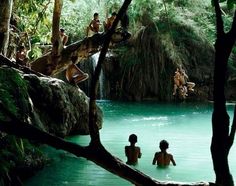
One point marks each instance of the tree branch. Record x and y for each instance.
(219, 20)
(98, 155)
(93, 128)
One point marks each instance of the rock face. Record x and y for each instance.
(144, 69)
(49, 103)
(156, 55)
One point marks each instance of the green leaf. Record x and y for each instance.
(230, 4)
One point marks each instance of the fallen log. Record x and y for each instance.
(81, 49)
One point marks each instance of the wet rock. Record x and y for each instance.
(49, 103)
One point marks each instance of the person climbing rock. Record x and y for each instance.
(184, 81)
(176, 81)
(181, 84)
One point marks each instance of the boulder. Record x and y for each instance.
(49, 103)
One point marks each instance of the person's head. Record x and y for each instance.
(62, 31)
(113, 14)
(133, 139)
(74, 59)
(21, 48)
(163, 145)
(95, 15)
(182, 71)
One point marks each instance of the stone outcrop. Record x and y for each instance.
(144, 69)
(49, 103)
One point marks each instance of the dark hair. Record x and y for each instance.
(95, 14)
(164, 145)
(133, 138)
(114, 13)
(74, 59)
(21, 47)
(62, 30)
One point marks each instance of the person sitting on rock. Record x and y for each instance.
(132, 152)
(110, 20)
(74, 74)
(63, 36)
(94, 24)
(21, 56)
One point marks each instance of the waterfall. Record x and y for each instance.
(101, 77)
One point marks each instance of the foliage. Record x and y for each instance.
(13, 93)
(33, 18)
(230, 3)
(15, 152)
(36, 18)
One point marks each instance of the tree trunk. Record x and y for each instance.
(5, 16)
(222, 139)
(57, 45)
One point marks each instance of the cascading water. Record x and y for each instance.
(101, 77)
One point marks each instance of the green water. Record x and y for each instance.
(186, 126)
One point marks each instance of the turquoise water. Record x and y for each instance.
(186, 126)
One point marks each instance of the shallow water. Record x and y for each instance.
(187, 128)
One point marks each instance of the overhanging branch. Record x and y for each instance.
(93, 128)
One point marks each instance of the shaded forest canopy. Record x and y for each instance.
(197, 14)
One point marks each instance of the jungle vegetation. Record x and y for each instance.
(35, 18)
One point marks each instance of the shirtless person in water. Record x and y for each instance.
(163, 158)
(132, 152)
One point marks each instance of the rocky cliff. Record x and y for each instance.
(48, 103)
(143, 69)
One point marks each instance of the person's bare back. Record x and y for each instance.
(163, 158)
(132, 152)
